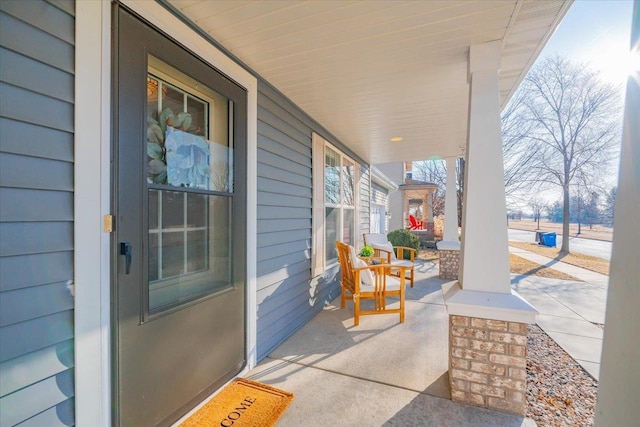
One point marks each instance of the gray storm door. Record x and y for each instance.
(179, 241)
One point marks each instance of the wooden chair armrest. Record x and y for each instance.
(379, 252)
(400, 252)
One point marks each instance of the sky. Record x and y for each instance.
(596, 33)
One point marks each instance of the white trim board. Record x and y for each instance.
(93, 193)
(92, 176)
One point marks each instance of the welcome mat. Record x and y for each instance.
(242, 403)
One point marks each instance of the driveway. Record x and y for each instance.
(597, 248)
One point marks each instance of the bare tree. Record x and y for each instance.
(538, 206)
(568, 128)
(435, 171)
(517, 152)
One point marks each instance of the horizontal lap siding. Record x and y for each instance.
(288, 297)
(365, 203)
(36, 212)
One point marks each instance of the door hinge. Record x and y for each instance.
(108, 223)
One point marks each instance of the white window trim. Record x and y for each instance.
(92, 249)
(318, 245)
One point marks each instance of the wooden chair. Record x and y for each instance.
(394, 254)
(381, 286)
(415, 224)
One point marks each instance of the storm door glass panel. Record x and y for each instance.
(189, 179)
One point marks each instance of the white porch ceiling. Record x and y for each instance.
(372, 70)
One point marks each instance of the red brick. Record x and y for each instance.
(488, 390)
(487, 368)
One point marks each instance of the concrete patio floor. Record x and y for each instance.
(381, 373)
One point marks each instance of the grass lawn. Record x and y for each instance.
(523, 266)
(598, 265)
(518, 265)
(428, 255)
(598, 232)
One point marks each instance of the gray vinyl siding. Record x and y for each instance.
(287, 295)
(364, 203)
(36, 212)
(380, 196)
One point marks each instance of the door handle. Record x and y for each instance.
(125, 249)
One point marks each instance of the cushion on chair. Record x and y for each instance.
(402, 263)
(375, 239)
(366, 276)
(387, 246)
(393, 284)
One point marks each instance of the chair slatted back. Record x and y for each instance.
(347, 275)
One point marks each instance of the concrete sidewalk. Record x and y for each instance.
(568, 310)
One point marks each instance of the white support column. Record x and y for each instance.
(619, 374)
(485, 254)
(425, 209)
(485, 285)
(405, 209)
(429, 216)
(450, 233)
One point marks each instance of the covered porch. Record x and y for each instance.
(393, 81)
(381, 372)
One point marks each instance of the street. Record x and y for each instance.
(597, 248)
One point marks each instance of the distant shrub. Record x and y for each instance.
(404, 238)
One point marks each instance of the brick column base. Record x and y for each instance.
(449, 263)
(488, 363)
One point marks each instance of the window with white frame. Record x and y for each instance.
(335, 196)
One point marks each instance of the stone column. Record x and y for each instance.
(487, 320)
(619, 374)
(449, 246)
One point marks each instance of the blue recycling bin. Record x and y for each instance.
(548, 239)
